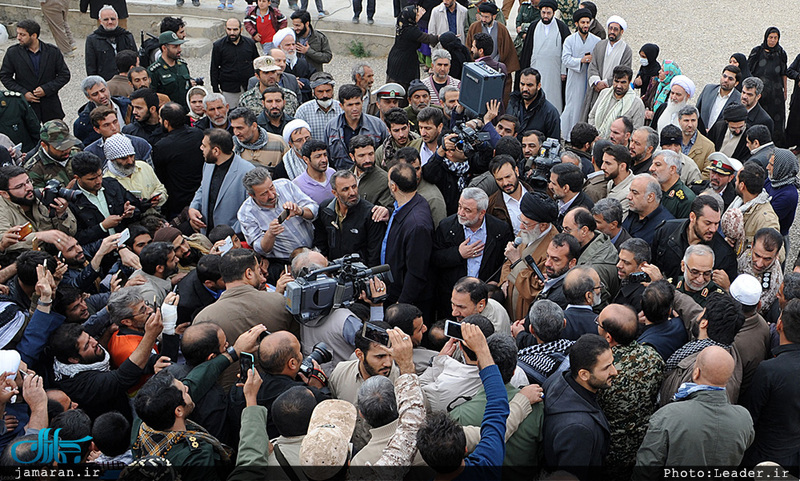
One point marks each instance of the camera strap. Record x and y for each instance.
(287, 468)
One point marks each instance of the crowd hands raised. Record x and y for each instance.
(550, 313)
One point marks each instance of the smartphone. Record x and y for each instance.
(123, 237)
(25, 231)
(228, 245)
(18, 149)
(284, 215)
(60, 256)
(246, 362)
(537, 271)
(453, 329)
(375, 334)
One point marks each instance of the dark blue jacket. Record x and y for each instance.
(666, 337)
(576, 432)
(580, 321)
(408, 252)
(82, 128)
(645, 228)
(486, 460)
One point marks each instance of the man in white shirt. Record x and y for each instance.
(714, 98)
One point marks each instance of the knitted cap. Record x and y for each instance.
(118, 146)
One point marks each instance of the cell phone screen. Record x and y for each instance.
(375, 334)
(245, 365)
(453, 329)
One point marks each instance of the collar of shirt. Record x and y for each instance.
(580, 306)
(595, 174)
(213, 293)
(468, 232)
(510, 200)
(564, 206)
(724, 97)
(614, 239)
(550, 282)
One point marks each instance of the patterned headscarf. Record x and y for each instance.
(671, 69)
(784, 170)
(406, 19)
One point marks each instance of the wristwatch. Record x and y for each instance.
(232, 353)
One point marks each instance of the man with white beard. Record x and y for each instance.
(681, 89)
(296, 133)
(136, 176)
(697, 268)
(542, 51)
(518, 280)
(575, 56)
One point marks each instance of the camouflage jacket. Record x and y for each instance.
(252, 100)
(631, 399)
(41, 168)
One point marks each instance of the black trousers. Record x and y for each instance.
(370, 8)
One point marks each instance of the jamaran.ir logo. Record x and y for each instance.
(49, 447)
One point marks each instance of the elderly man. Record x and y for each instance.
(671, 140)
(721, 172)
(681, 89)
(136, 176)
(606, 55)
(693, 143)
(697, 271)
(469, 242)
(676, 197)
(647, 213)
(542, 350)
(320, 110)
(105, 42)
(259, 214)
(642, 145)
(96, 91)
(616, 101)
(419, 98)
(582, 289)
(440, 76)
(216, 108)
(295, 135)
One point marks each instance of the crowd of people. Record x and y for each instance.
(584, 281)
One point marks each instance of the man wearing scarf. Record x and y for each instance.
(185, 444)
(728, 133)
(681, 89)
(576, 56)
(295, 134)
(542, 51)
(753, 202)
(136, 176)
(606, 55)
(103, 44)
(618, 101)
(254, 143)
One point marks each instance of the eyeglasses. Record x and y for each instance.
(600, 287)
(695, 273)
(599, 325)
(19, 186)
(146, 309)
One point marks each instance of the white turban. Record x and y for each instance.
(282, 34)
(292, 126)
(684, 82)
(615, 19)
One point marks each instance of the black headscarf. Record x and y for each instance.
(743, 67)
(650, 51)
(777, 46)
(458, 51)
(407, 19)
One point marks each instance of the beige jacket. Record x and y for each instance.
(12, 215)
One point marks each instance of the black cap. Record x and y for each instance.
(487, 7)
(539, 207)
(671, 136)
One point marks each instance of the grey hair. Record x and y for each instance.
(688, 110)
(570, 155)
(340, 174)
(478, 195)
(120, 303)
(652, 137)
(753, 82)
(377, 401)
(90, 82)
(547, 320)
(107, 7)
(358, 69)
(609, 209)
(672, 158)
(638, 247)
(446, 90)
(440, 53)
(653, 187)
(255, 177)
(302, 260)
(213, 97)
(700, 250)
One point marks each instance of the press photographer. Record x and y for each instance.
(24, 215)
(321, 298)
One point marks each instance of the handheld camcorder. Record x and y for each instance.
(468, 138)
(314, 294)
(539, 174)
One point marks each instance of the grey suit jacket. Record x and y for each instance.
(230, 197)
(705, 102)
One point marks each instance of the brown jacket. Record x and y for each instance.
(521, 291)
(701, 149)
(596, 188)
(683, 373)
(240, 308)
(505, 46)
(497, 205)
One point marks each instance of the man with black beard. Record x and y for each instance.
(159, 263)
(312, 44)
(532, 108)
(20, 205)
(506, 202)
(542, 51)
(232, 61)
(273, 119)
(83, 273)
(146, 122)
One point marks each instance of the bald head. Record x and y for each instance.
(279, 353)
(578, 282)
(620, 322)
(202, 342)
(714, 367)
(309, 259)
(61, 398)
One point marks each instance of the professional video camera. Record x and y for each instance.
(549, 155)
(468, 138)
(53, 189)
(314, 294)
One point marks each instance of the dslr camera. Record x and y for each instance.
(53, 189)
(549, 155)
(634, 277)
(319, 353)
(315, 293)
(468, 138)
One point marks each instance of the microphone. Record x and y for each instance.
(517, 241)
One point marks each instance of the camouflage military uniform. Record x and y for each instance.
(173, 81)
(18, 120)
(700, 297)
(678, 200)
(252, 100)
(40, 166)
(472, 15)
(567, 8)
(631, 400)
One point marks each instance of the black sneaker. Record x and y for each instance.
(196, 3)
(179, 3)
(355, 19)
(370, 21)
